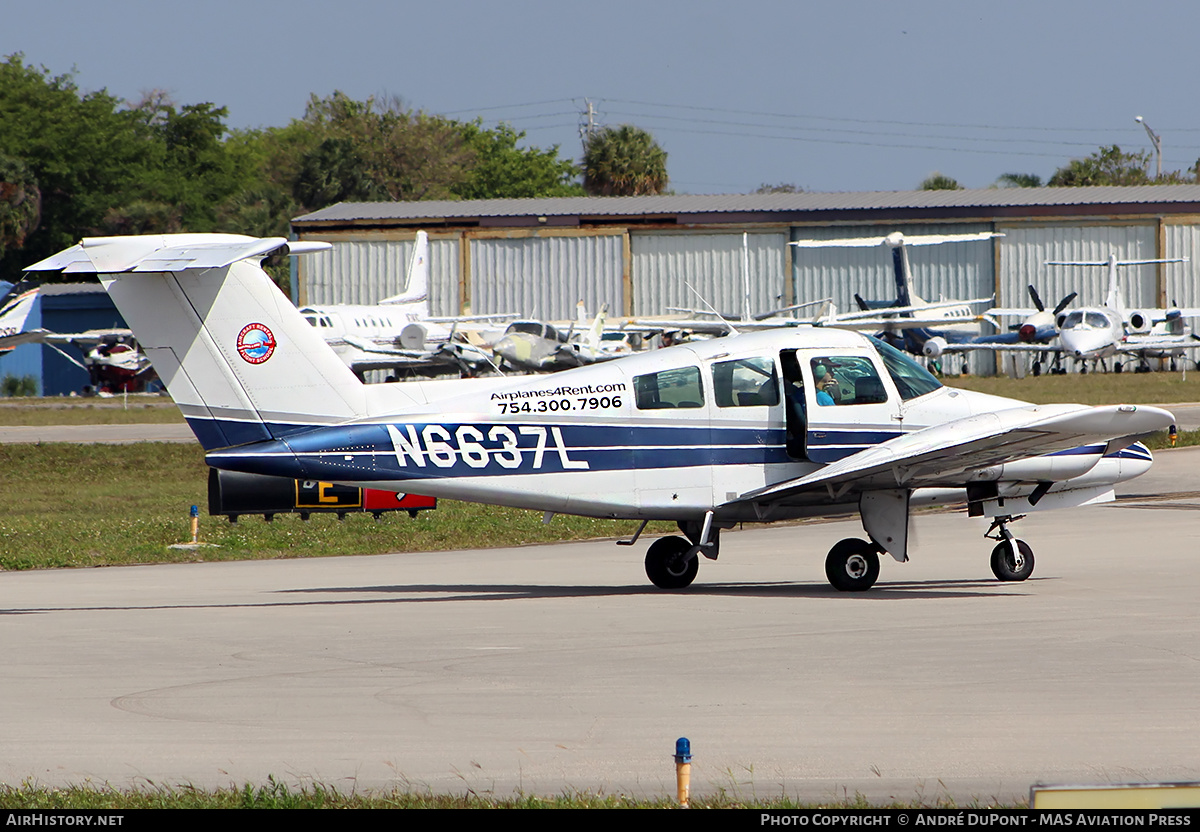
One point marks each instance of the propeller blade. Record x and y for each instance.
(1037, 301)
(1062, 304)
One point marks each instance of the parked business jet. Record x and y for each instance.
(771, 425)
(399, 333)
(1096, 334)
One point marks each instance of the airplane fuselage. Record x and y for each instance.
(671, 434)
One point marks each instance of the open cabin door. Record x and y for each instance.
(848, 406)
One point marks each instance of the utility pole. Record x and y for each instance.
(587, 122)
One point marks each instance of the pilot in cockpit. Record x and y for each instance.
(827, 385)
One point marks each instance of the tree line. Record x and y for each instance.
(1107, 166)
(76, 163)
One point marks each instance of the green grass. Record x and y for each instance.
(103, 505)
(138, 410)
(1091, 388)
(277, 795)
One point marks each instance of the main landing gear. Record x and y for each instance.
(852, 565)
(672, 562)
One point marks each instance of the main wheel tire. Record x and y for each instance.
(667, 563)
(1007, 568)
(852, 565)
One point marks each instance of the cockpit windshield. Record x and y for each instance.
(1086, 319)
(911, 379)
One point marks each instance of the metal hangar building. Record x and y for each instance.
(539, 257)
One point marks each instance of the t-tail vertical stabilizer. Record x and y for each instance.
(237, 357)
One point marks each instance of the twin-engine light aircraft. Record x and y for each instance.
(751, 428)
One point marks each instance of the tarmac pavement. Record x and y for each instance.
(552, 668)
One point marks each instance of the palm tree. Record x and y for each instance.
(623, 161)
(940, 182)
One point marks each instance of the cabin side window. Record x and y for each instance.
(746, 382)
(670, 388)
(845, 379)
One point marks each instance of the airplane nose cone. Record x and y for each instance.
(1027, 332)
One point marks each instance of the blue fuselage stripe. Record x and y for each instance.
(420, 450)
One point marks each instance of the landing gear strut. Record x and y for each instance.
(852, 565)
(1012, 559)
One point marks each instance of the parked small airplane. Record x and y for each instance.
(111, 358)
(399, 333)
(539, 347)
(908, 321)
(1113, 331)
(1038, 327)
(765, 426)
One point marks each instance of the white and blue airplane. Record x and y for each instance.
(773, 425)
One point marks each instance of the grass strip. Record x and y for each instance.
(106, 505)
(277, 795)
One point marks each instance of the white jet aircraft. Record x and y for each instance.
(765, 426)
(1112, 330)
(399, 333)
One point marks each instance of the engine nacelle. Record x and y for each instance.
(1050, 468)
(233, 494)
(934, 347)
(1140, 322)
(413, 336)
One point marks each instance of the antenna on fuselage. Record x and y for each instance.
(720, 317)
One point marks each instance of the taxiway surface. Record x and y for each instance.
(550, 668)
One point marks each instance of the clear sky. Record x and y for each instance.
(829, 96)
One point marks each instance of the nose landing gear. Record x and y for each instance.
(1012, 559)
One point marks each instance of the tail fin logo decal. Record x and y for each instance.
(255, 343)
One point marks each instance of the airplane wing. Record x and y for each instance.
(944, 455)
(1000, 347)
(433, 360)
(1140, 343)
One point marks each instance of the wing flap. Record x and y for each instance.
(939, 456)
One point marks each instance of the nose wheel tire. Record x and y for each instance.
(852, 565)
(1009, 567)
(668, 565)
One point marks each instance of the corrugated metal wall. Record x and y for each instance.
(1180, 283)
(545, 277)
(664, 263)
(366, 271)
(1024, 250)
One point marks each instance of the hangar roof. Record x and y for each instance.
(731, 208)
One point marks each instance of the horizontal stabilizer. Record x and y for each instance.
(897, 239)
(166, 253)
